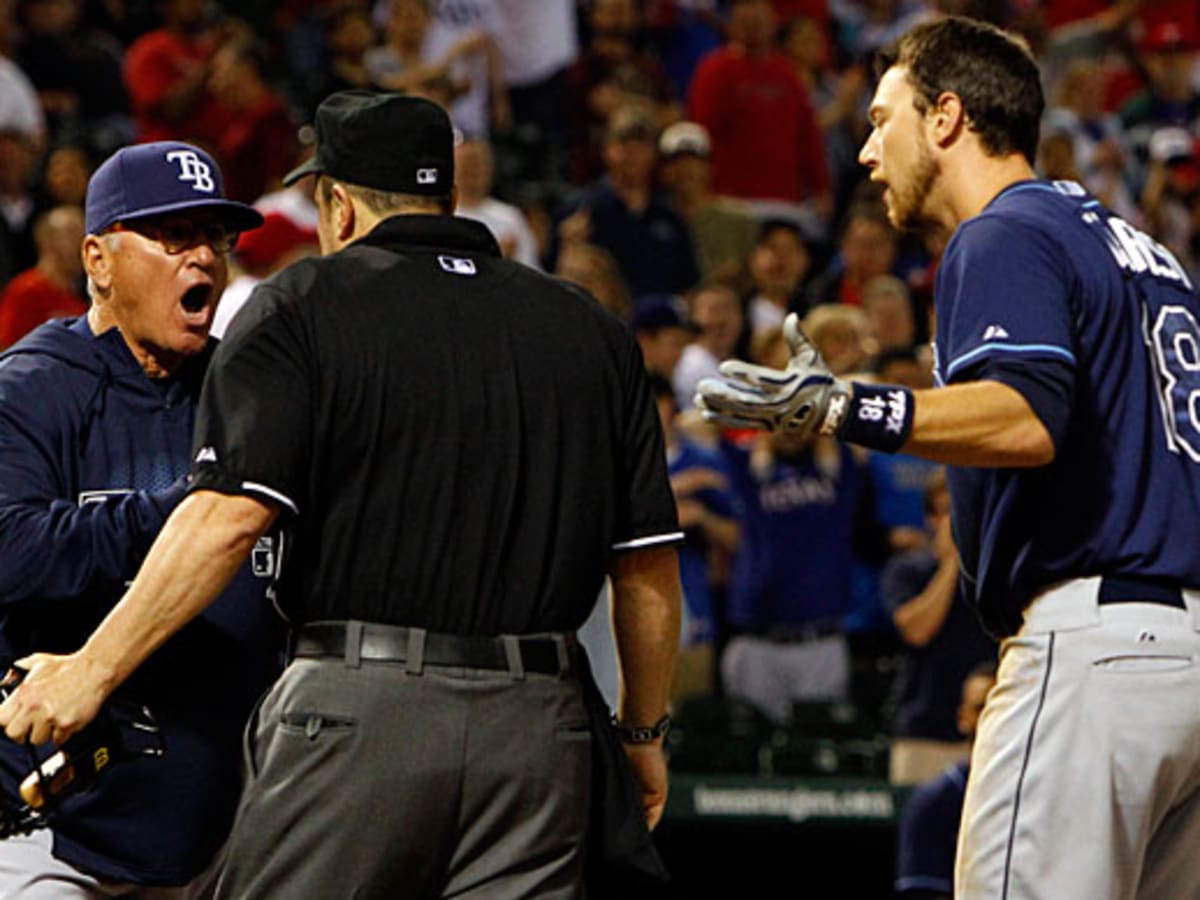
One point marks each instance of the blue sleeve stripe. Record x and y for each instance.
(924, 883)
(985, 349)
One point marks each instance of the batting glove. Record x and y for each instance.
(802, 399)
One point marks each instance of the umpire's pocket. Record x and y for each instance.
(313, 725)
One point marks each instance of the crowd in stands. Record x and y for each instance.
(693, 164)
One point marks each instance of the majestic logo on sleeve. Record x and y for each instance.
(995, 333)
(192, 168)
(207, 454)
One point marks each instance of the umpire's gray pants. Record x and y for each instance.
(373, 782)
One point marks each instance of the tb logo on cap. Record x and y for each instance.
(192, 168)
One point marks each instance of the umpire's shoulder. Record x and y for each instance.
(274, 294)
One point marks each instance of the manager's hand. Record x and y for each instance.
(796, 399)
(59, 696)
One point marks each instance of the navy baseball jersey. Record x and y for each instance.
(1098, 327)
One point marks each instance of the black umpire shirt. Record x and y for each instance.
(463, 442)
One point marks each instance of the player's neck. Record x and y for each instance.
(969, 188)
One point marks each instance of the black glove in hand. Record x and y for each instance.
(802, 399)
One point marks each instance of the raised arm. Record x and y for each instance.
(195, 556)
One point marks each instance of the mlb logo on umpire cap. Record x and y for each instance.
(161, 177)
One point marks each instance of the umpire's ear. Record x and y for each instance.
(343, 212)
(96, 253)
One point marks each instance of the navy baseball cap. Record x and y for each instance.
(386, 141)
(652, 312)
(162, 177)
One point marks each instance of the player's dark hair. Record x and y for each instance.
(992, 72)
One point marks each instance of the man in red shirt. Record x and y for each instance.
(50, 289)
(166, 74)
(257, 145)
(766, 144)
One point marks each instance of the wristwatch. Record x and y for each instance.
(644, 734)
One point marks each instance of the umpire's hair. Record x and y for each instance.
(992, 72)
(384, 203)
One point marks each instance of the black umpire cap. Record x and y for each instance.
(386, 141)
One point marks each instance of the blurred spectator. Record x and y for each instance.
(408, 59)
(537, 41)
(683, 31)
(766, 144)
(1097, 139)
(779, 266)
(707, 517)
(22, 135)
(474, 168)
(612, 71)
(260, 254)
(891, 318)
(1056, 157)
(840, 335)
(257, 142)
(624, 214)
(928, 830)
(485, 106)
(717, 312)
(661, 325)
(868, 25)
(52, 287)
(295, 203)
(723, 229)
(421, 50)
(77, 72)
(65, 176)
(791, 580)
(1168, 56)
(347, 35)
(942, 640)
(1171, 196)
(166, 73)
(594, 269)
(20, 109)
(839, 98)
(868, 248)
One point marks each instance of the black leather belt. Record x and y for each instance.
(394, 643)
(1132, 589)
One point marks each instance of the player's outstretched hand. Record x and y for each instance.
(795, 399)
(58, 697)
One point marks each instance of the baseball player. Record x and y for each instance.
(1068, 359)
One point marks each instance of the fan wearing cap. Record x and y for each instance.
(723, 229)
(461, 449)
(1168, 54)
(96, 417)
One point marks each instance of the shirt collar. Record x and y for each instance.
(445, 232)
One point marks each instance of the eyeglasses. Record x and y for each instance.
(179, 233)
